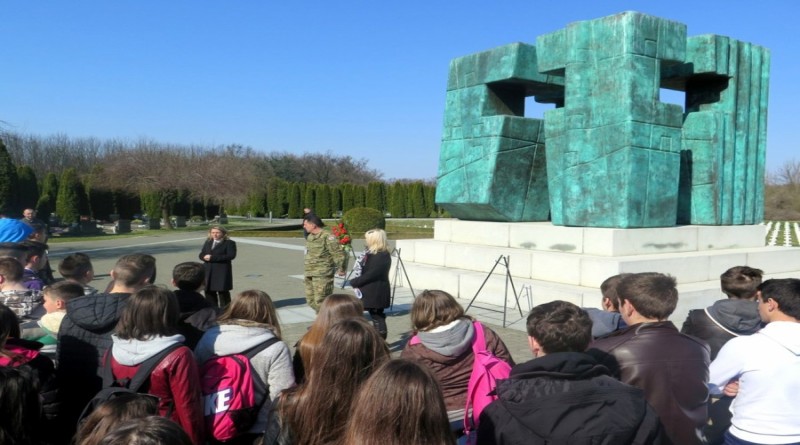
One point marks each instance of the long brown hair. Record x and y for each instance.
(400, 404)
(109, 414)
(316, 412)
(434, 308)
(252, 305)
(334, 308)
(151, 311)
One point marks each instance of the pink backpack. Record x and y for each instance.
(486, 371)
(232, 393)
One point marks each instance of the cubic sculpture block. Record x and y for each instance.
(492, 160)
(615, 156)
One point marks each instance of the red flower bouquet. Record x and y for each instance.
(341, 233)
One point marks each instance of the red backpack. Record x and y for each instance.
(233, 393)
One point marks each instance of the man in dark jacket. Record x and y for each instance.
(564, 395)
(734, 316)
(85, 333)
(671, 368)
(726, 319)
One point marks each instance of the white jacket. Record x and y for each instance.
(767, 363)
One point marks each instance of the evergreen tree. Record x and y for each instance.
(347, 197)
(310, 197)
(336, 198)
(72, 201)
(430, 200)
(417, 200)
(322, 205)
(397, 203)
(276, 197)
(151, 204)
(257, 203)
(8, 184)
(47, 199)
(28, 187)
(376, 196)
(295, 205)
(359, 195)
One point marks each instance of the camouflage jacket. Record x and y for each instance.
(324, 254)
(20, 301)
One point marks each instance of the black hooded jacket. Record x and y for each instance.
(722, 321)
(567, 398)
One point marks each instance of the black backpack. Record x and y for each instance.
(136, 385)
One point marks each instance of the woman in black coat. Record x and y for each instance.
(372, 286)
(217, 253)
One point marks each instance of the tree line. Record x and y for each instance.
(76, 178)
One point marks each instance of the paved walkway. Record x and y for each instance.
(275, 265)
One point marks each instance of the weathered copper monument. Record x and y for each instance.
(610, 154)
(611, 180)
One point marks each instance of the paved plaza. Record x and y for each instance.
(275, 265)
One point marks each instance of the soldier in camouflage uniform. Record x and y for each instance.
(324, 256)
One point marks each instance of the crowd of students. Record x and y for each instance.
(620, 375)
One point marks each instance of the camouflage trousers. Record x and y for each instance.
(317, 288)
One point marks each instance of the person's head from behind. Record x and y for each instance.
(317, 411)
(20, 407)
(400, 403)
(647, 296)
(337, 307)
(14, 250)
(609, 290)
(151, 430)
(10, 271)
(375, 241)
(9, 326)
(741, 282)
(350, 350)
(779, 300)
(558, 326)
(151, 311)
(58, 294)
(189, 276)
(77, 267)
(37, 254)
(111, 413)
(434, 308)
(39, 232)
(253, 305)
(134, 271)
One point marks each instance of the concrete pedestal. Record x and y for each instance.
(550, 262)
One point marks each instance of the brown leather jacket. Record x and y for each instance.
(671, 368)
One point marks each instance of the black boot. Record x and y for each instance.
(379, 321)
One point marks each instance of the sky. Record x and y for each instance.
(354, 78)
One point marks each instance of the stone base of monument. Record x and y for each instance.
(548, 262)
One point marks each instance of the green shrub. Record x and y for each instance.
(361, 219)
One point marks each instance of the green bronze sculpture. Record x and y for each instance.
(610, 154)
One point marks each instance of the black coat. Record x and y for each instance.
(374, 280)
(219, 272)
(567, 398)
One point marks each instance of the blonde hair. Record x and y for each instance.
(376, 241)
